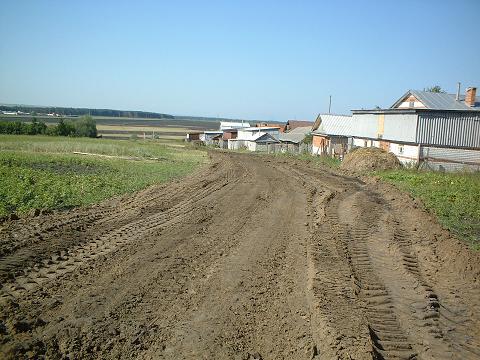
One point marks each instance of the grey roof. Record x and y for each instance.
(331, 124)
(263, 137)
(296, 135)
(436, 101)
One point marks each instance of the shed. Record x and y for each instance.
(292, 124)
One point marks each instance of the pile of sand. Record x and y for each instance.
(368, 159)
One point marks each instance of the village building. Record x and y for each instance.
(192, 136)
(254, 138)
(435, 130)
(208, 135)
(281, 127)
(228, 125)
(331, 134)
(294, 140)
(293, 124)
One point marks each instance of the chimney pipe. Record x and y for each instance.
(458, 92)
(470, 94)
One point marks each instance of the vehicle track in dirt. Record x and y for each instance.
(251, 257)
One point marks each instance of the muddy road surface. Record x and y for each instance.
(250, 258)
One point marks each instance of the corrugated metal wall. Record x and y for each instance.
(449, 159)
(365, 125)
(400, 127)
(457, 129)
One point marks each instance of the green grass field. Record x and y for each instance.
(39, 172)
(453, 197)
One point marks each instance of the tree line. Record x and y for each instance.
(35, 110)
(82, 127)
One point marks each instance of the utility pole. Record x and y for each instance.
(330, 104)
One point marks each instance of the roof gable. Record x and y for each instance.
(263, 137)
(431, 100)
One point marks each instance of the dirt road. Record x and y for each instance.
(250, 258)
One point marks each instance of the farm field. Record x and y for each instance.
(123, 128)
(248, 257)
(39, 172)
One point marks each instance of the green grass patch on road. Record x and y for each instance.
(453, 197)
(39, 172)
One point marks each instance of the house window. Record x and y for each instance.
(365, 143)
(400, 149)
(411, 104)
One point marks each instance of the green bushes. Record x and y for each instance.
(83, 127)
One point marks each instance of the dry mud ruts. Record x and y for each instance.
(252, 257)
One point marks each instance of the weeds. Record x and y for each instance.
(453, 197)
(42, 173)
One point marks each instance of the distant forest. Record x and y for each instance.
(37, 110)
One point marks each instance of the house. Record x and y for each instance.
(192, 136)
(227, 125)
(435, 130)
(208, 135)
(331, 134)
(254, 138)
(292, 124)
(281, 127)
(293, 141)
(258, 142)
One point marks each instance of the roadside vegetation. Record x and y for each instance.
(84, 126)
(453, 197)
(41, 172)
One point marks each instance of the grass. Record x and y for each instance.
(38, 172)
(453, 197)
(316, 160)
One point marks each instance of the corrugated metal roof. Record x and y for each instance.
(436, 101)
(263, 137)
(296, 135)
(331, 124)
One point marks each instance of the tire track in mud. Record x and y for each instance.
(66, 261)
(403, 313)
(251, 255)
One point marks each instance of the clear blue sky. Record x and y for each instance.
(274, 60)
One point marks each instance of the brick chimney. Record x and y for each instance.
(470, 94)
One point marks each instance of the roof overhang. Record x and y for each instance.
(409, 111)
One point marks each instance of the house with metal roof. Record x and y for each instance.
(434, 130)
(293, 141)
(331, 134)
(227, 125)
(255, 138)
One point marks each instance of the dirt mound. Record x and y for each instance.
(367, 159)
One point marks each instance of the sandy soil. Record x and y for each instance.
(250, 258)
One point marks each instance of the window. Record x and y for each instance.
(411, 104)
(400, 149)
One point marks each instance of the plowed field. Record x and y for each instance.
(250, 258)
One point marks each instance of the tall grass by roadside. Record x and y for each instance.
(453, 197)
(43, 173)
(316, 160)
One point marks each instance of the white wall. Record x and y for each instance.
(400, 127)
(405, 153)
(250, 133)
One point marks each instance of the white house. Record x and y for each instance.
(255, 138)
(228, 125)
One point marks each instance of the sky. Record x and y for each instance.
(257, 60)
